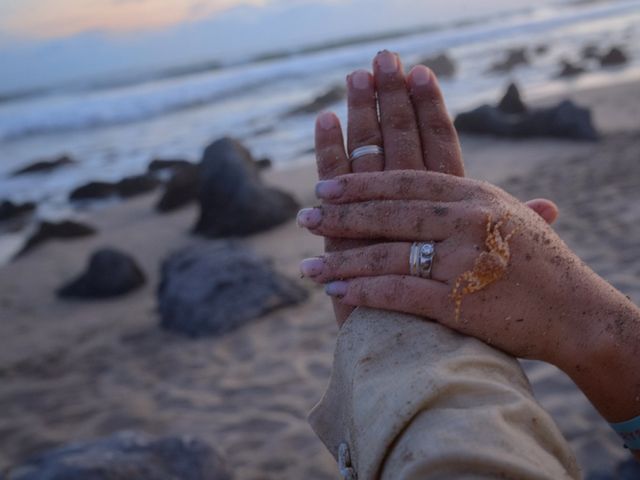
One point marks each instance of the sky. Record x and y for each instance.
(46, 43)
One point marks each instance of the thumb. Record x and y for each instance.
(545, 208)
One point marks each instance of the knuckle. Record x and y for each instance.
(365, 136)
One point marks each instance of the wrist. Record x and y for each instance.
(602, 351)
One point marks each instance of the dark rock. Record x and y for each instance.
(218, 287)
(331, 96)
(50, 230)
(264, 163)
(511, 101)
(168, 164)
(568, 69)
(233, 200)
(180, 190)
(590, 52)
(136, 185)
(513, 58)
(541, 49)
(126, 456)
(614, 57)
(44, 166)
(110, 273)
(565, 120)
(10, 210)
(94, 191)
(125, 188)
(441, 65)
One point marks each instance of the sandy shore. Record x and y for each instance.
(77, 370)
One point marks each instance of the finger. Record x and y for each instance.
(331, 158)
(545, 208)
(397, 185)
(397, 118)
(413, 295)
(380, 259)
(363, 127)
(408, 220)
(440, 144)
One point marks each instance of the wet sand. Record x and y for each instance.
(77, 370)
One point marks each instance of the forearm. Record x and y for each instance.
(414, 400)
(602, 359)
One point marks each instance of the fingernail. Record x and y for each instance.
(311, 267)
(336, 289)
(387, 62)
(326, 189)
(421, 76)
(326, 120)
(360, 80)
(309, 217)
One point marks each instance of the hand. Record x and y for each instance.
(414, 127)
(533, 295)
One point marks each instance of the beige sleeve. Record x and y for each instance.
(414, 400)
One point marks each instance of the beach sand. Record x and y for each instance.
(78, 370)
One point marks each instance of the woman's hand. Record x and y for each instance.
(500, 273)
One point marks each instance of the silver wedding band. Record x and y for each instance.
(421, 259)
(366, 150)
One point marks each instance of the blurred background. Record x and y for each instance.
(92, 92)
(116, 83)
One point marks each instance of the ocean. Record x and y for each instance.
(113, 131)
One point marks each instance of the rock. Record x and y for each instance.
(125, 456)
(233, 200)
(136, 185)
(110, 273)
(180, 190)
(49, 230)
(511, 101)
(590, 52)
(94, 191)
(513, 58)
(215, 288)
(565, 120)
(157, 165)
(10, 210)
(613, 58)
(264, 163)
(568, 69)
(441, 65)
(541, 49)
(44, 166)
(125, 188)
(331, 96)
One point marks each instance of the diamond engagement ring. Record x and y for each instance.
(366, 150)
(421, 259)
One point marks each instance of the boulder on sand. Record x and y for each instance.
(442, 65)
(324, 100)
(125, 188)
(218, 287)
(160, 164)
(125, 456)
(10, 210)
(44, 166)
(110, 273)
(180, 190)
(233, 200)
(613, 58)
(513, 58)
(569, 69)
(565, 120)
(50, 230)
(511, 101)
